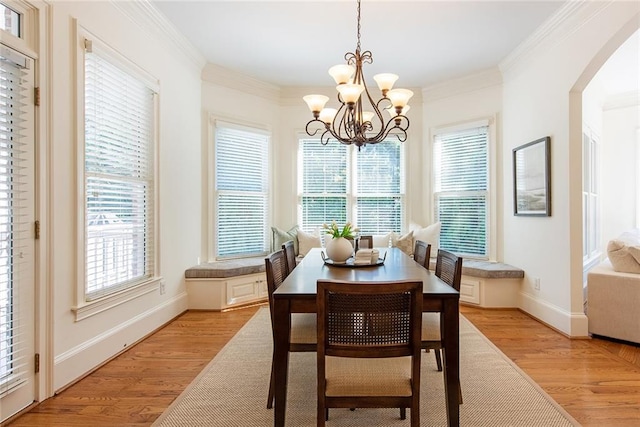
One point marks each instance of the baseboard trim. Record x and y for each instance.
(79, 361)
(572, 325)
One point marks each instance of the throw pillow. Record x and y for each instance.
(280, 236)
(621, 257)
(307, 241)
(429, 235)
(405, 243)
(635, 253)
(382, 240)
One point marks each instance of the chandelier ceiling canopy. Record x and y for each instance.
(359, 119)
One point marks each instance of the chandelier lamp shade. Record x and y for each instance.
(359, 119)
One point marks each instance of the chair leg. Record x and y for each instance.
(459, 393)
(403, 413)
(271, 389)
(438, 359)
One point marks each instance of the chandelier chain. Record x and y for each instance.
(358, 45)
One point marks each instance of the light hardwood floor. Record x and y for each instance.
(596, 381)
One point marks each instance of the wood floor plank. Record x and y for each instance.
(596, 381)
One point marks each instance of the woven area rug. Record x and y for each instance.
(232, 390)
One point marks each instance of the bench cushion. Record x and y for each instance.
(223, 269)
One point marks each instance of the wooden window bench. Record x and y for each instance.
(222, 285)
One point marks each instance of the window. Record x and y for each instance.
(241, 193)
(10, 21)
(590, 201)
(340, 183)
(461, 174)
(17, 247)
(119, 174)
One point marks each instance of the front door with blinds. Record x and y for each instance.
(17, 245)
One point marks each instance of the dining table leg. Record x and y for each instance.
(282, 333)
(450, 332)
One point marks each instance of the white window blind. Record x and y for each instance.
(379, 204)
(119, 177)
(461, 174)
(242, 190)
(376, 204)
(324, 184)
(15, 225)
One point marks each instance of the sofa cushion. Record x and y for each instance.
(612, 303)
(622, 257)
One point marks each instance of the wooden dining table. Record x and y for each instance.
(297, 294)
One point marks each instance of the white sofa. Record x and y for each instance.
(613, 303)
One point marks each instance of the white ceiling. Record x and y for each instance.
(294, 42)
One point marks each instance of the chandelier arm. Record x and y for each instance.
(325, 140)
(314, 132)
(337, 123)
(395, 125)
(376, 110)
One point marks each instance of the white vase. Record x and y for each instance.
(339, 249)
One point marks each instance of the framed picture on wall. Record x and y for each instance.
(532, 178)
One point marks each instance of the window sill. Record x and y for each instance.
(108, 302)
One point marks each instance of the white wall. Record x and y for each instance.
(241, 100)
(79, 346)
(620, 168)
(445, 105)
(538, 101)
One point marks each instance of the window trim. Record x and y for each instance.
(84, 309)
(214, 121)
(492, 211)
(28, 38)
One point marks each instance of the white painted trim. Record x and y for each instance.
(149, 19)
(215, 74)
(466, 84)
(622, 100)
(573, 324)
(570, 17)
(82, 359)
(110, 301)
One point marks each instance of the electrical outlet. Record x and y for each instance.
(536, 283)
(162, 288)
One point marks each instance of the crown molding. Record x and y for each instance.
(566, 21)
(218, 75)
(291, 96)
(487, 78)
(622, 100)
(145, 15)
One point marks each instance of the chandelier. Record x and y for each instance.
(359, 119)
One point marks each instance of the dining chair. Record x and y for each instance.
(422, 253)
(303, 325)
(290, 255)
(449, 269)
(369, 346)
